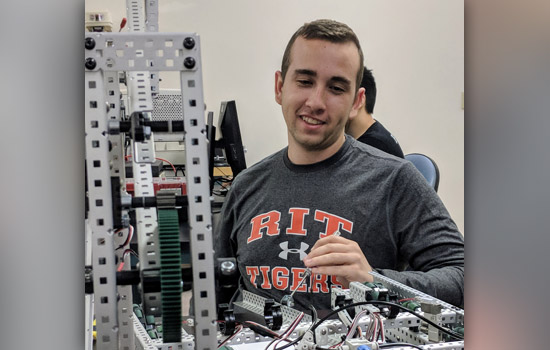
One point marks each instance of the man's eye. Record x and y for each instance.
(337, 89)
(304, 82)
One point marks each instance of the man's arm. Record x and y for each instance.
(223, 242)
(225, 247)
(427, 240)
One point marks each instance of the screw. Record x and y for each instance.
(89, 43)
(189, 43)
(189, 62)
(228, 267)
(90, 63)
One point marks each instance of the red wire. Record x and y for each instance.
(164, 160)
(173, 167)
(122, 23)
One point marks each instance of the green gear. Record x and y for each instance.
(170, 274)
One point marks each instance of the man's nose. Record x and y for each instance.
(316, 100)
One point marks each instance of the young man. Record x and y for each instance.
(281, 214)
(362, 126)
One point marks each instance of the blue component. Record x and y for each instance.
(364, 347)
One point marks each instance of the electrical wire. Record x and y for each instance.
(237, 331)
(162, 159)
(180, 168)
(351, 329)
(369, 333)
(128, 238)
(406, 299)
(295, 341)
(172, 165)
(263, 328)
(224, 174)
(354, 323)
(124, 255)
(284, 336)
(395, 345)
(387, 303)
(381, 332)
(373, 302)
(122, 23)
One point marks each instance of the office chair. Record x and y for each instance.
(427, 167)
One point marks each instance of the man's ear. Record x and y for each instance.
(360, 100)
(278, 87)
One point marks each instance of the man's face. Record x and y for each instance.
(318, 92)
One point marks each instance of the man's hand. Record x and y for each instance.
(340, 257)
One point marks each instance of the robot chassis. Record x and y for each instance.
(399, 326)
(136, 58)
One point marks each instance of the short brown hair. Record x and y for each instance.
(329, 30)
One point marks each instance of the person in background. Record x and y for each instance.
(365, 128)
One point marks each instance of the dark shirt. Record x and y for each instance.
(276, 211)
(379, 137)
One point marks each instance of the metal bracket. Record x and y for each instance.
(408, 292)
(100, 215)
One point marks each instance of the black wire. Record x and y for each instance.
(180, 168)
(127, 143)
(237, 330)
(313, 328)
(395, 345)
(221, 171)
(374, 302)
(125, 241)
(295, 341)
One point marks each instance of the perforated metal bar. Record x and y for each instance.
(357, 292)
(136, 15)
(147, 229)
(139, 98)
(126, 328)
(89, 319)
(144, 341)
(100, 215)
(113, 113)
(116, 155)
(152, 25)
(408, 292)
(139, 92)
(88, 298)
(151, 16)
(143, 52)
(125, 302)
(407, 336)
(255, 303)
(198, 192)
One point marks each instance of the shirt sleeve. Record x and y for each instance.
(224, 239)
(427, 238)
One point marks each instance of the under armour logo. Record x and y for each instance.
(284, 253)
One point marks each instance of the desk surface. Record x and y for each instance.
(223, 171)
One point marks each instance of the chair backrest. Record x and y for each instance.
(427, 167)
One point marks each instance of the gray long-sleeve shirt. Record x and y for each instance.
(276, 211)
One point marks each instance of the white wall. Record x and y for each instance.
(415, 48)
